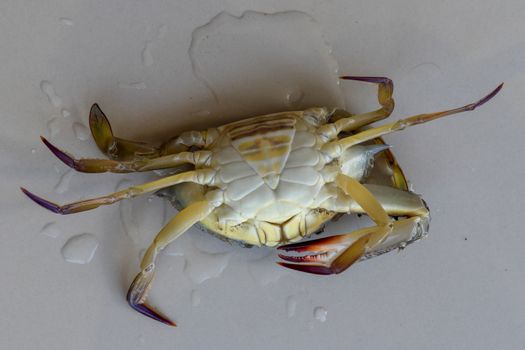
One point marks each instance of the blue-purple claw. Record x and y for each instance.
(137, 294)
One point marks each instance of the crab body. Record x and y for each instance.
(271, 173)
(272, 180)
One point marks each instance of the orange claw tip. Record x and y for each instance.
(42, 202)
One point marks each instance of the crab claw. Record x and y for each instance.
(137, 294)
(330, 255)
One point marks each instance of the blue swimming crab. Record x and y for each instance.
(271, 180)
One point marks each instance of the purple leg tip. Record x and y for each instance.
(63, 156)
(42, 202)
(376, 80)
(489, 96)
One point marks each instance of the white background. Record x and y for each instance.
(462, 288)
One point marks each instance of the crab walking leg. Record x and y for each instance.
(198, 158)
(335, 147)
(337, 253)
(202, 176)
(354, 122)
(395, 202)
(115, 147)
(138, 290)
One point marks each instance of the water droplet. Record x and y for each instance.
(51, 230)
(49, 90)
(284, 58)
(80, 249)
(65, 113)
(63, 183)
(138, 85)
(294, 98)
(66, 21)
(33, 151)
(201, 266)
(291, 305)
(195, 297)
(147, 58)
(81, 131)
(52, 127)
(320, 313)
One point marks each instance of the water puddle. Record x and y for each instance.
(259, 63)
(53, 127)
(63, 183)
(66, 21)
(291, 306)
(265, 271)
(80, 249)
(147, 57)
(320, 313)
(51, 230)
(81, 131)
(195, 298)
(48, 89)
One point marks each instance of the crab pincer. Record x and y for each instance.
(326, 256)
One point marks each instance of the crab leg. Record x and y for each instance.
(335, 147)
(145, 164)
(396, 202)
(354, 122)
(202, 176)
(137, 293)
(115, 147)
(337, 253)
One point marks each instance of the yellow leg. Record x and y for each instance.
(198, 158)
(120, 149)
(137, 293)
(334, 148)
(115, 147)
(354, 122)
(202, 176)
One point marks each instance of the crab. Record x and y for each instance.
(271, 180)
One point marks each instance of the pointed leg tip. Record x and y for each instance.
(376, 80)
(489, 96)
(96, 114)
(42, 202)
(148, 311)
(63, 156)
